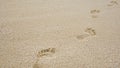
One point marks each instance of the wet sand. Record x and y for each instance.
(59, 34)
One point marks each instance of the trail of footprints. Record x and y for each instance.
(95, 12)
(50, 51)
(89, 32)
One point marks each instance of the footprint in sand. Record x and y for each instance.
(44, 52)
(94, 13)
(113, 3)
(89, 32)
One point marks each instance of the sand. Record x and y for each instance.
(59, 34)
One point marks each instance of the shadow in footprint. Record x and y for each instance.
(112, 3)
(94, 13)
(91, 31)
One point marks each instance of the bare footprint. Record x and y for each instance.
(91, 31)
(112, 3)
(94, 13)
(46, 52)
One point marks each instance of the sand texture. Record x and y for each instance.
(59, 33)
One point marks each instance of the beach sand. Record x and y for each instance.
(60, 34)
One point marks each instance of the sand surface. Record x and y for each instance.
(59, 33)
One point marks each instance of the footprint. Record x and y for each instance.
(46, 52)
(94, 13)
(90, 31)
(112, 3)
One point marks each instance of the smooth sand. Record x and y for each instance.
(84, 33)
